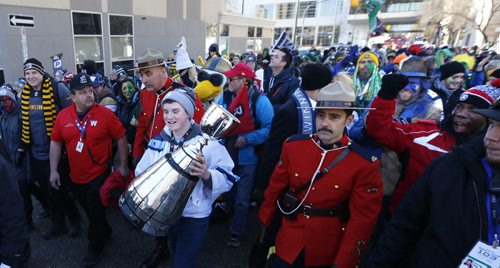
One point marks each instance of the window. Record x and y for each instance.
(87, 34)
(325, 35)
(259, 32)
(225, 30)
(251, 31)
(307, 9)
(306, 39)
(286, 11)
(278, 31)
(121, 35)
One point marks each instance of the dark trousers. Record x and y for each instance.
(27, 189)
(88, 197)
(277, 262)
(59, 201)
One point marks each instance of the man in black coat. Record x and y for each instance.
(279, 80)
(448, 209)
(296, 116)
(14, 238)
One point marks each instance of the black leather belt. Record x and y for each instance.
(309, 211)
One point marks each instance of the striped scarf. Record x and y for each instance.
(49, 109)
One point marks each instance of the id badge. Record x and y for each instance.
(79, 146)
(482, 255)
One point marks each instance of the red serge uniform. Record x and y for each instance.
(324, 239)
(151, 120)
(102, 127)
(423, 140)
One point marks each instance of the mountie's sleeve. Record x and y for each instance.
(278, 184)
(365, 203)
(140, 132)
(382, 128)
(220, 166)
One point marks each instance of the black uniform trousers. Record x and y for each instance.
(88, 196)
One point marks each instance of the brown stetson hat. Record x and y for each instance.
(149, 58)
(336, 95)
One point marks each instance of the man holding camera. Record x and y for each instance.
(324, 180)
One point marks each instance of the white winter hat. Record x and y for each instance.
(182, 60)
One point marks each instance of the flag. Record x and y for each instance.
(379, 29)
(283, 41)
(373, 9)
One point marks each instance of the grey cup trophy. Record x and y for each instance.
(156, 198)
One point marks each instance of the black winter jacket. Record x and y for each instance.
(443, 215)
(279, 87)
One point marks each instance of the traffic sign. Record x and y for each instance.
(16, 20)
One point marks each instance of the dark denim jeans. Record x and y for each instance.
(242, 192)
(185, 239)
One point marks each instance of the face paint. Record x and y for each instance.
(371, 67)
(128, 90)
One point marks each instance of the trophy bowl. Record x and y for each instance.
(155, 199)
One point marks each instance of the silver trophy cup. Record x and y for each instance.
(156, 198)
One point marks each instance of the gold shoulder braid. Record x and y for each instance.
(49, 109)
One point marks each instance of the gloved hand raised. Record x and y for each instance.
(391, 85)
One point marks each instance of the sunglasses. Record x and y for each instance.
(215, 79)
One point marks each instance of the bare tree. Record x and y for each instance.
(455, 15)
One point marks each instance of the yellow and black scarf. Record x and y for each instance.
(49, 109)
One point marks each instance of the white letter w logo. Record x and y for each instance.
(93, 123)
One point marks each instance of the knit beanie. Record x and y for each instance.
(481, 97)
(34, 64)
(451, 68)
(368, 55)
(6, 90)
(183, 96)
(315, 76)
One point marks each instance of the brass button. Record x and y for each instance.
(313, 188)
(336, 186)
(296, 174)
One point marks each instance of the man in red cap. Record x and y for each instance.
(255, 112)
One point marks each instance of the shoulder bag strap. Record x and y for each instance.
(335, 161)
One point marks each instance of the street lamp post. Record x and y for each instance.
(303, 22)
(294, 34)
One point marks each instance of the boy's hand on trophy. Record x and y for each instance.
(199, 168)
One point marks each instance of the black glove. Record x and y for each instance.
(391, 85)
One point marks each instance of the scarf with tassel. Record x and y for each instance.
(49, 109)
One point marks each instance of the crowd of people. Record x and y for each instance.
(365, 157)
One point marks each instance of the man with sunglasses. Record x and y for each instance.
(279, 81)
(255, 113)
